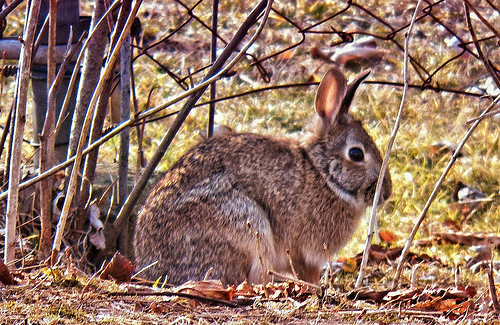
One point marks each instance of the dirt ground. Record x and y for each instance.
(60, 296)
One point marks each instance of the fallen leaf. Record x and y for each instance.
(5, 275)
(245, 290)
(276, 291)
(387, 236)
(349, 265)
(368, 294)
(313, 78)
(119, 269)
(467, 199)
(436, 304)
(288, 289)
(442, 148)
(461, 292)
(207, 288)
(379, 254)
(432, 299)
(460, 309)
(287, 55)
(361, 52)
(158, 308)
(393, 253)
(401, 294)
(452, 224)
(467, 239)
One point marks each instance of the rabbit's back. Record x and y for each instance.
(250, 163)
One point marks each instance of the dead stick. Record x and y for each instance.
(291, 264)
(416, 313)
(259, 252)
(433, 195)
(175, 294)
(383, 169)
(490, 114)
(23, 77)
(491, 284)
(286, 277)
(456, 154)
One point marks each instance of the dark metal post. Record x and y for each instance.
(68, 16)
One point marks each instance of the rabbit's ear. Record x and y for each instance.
(351, 90)
(334, 95)
(330, 94)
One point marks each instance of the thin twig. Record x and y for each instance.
(213, 50)
(480, 53)
(47, 138)
(6, 129)
(91, 55)
(411, 312)
(491, 283)
(490, 114)
(328, 257)
(291, 264)
(9, 8)
(289, 278)
(175, 294)
(95, 275)
(258, 248)
(123, 157)
(483, 20)
(143, 269)
(378, 190)
(69, 54)
(125, 77)
(454, 157)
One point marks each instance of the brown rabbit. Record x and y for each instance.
(297, 196)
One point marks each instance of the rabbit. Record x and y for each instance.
(240, 204)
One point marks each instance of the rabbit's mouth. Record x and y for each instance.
(370, 194)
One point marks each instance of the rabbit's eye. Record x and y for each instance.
(356, 154)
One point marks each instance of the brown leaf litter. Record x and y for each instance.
(68, 296)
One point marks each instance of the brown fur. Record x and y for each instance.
(296, 196)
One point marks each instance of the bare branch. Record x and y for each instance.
(22, 98)
(378, 190)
